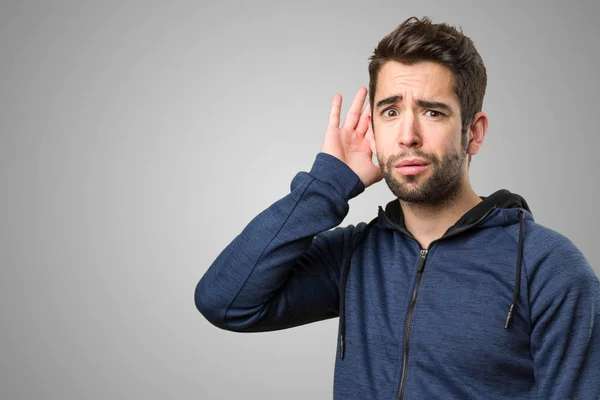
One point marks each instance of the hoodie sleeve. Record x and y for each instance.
(565, 313)
(283, 269)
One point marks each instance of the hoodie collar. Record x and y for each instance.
(500, 199)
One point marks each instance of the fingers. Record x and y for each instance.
(354, 111)
(363, 122)
(334, 114)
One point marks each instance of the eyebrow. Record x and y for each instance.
(423, 103)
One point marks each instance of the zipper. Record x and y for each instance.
(411, 307)
(413, 300)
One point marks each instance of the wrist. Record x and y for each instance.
(333, 171)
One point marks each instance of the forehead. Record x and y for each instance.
(424, 80)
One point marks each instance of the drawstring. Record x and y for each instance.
(518, 270)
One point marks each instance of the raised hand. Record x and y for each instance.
(350, 143)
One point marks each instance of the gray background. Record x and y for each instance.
(137, 139)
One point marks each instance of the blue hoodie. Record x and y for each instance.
(499, 307)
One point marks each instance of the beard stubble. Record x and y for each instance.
(442, 187)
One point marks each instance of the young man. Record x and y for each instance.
(445, 294)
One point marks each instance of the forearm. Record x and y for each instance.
(238, 289)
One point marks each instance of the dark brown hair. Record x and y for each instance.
(417, 40)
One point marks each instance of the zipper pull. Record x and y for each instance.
(421, 263)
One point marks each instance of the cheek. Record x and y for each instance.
(384, 148)
(446, 141)
(385, 138)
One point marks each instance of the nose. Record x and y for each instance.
(409, 134)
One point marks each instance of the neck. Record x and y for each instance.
(428, 222)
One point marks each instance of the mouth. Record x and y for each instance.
(411, 167)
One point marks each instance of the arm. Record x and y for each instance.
(274, 275)
(565, 312)
(283, 269)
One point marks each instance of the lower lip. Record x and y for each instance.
(412, 170)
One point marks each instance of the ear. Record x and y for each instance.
(477, 133)
(371, 135)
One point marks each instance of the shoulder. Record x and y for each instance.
(548, 246)
(553, 261)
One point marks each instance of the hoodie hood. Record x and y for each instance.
(502, 208)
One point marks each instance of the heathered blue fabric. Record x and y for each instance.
(284, 270)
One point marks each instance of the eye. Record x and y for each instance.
(434, 114)
(390, 112)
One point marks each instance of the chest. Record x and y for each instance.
(448, 318)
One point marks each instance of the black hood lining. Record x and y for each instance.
(501, 199)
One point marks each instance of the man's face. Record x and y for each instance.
(417, 132)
